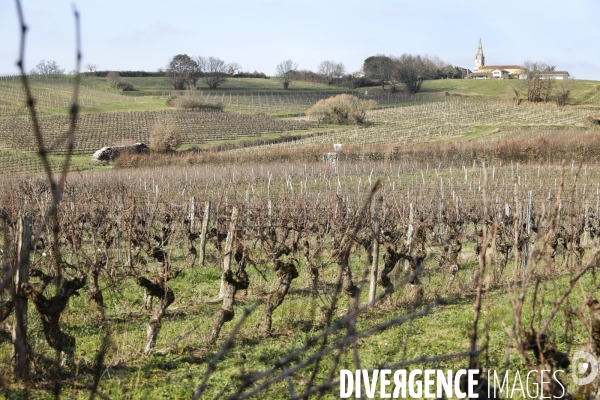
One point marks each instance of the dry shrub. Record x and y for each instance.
(540, 147)
(343, 109)
(190, 103)
(592, 120)
(165, 138)
(125, 86)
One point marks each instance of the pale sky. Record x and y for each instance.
(258, 34)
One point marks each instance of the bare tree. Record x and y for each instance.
(331, 71)
(195, 71)
(214, 71)
(339, 71)
(562, 91)
(286, 72)
(47, 68)
(412, 71)
(180, 70)
(441, 69)
(537, 88)
(113, 78)
(233, 68)
(91, 67)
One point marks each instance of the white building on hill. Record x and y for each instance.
(500, 74)
(554, 75)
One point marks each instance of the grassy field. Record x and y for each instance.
(232, 84)
(181, 359)
(152, 85)
(582, 91)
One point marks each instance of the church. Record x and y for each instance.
(482, 71)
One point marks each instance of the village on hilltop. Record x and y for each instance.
(482, 71)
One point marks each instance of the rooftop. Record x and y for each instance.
(501, 67)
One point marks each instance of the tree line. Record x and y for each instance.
(410, 70)
(393, 72)
(183, 70)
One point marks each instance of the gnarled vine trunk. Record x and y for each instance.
(226, 313)
(166, 296)
(50, 310)
(96, 293)
(391, 258)
(286, 272)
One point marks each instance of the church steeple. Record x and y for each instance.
(479, 58)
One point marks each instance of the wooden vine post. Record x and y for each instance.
(228, 250)
(119, 232)
(192, 211)
(528, 231)
(229, 285)
(19, 334)
(203, 232)
(375, 205)
(409, 233)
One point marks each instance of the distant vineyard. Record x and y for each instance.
(15, 111)
(13, 162)
(297, 102)
(57, 94)
(434, 120)
(97, 130)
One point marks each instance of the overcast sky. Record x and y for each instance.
(258, 34)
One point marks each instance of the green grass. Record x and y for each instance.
(182, 356)
(583, 90)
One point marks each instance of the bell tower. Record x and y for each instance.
(479, 58)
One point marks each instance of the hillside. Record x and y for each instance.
(259, 110)
(440, 208)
